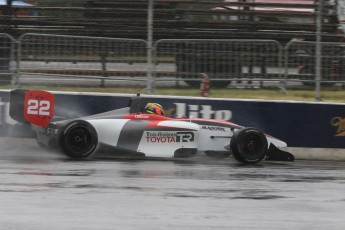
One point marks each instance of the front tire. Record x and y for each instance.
(249, 145)
(78, 139)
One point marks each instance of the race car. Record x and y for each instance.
(131, 132)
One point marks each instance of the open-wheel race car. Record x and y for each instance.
(131, 132)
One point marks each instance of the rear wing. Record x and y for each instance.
(17, 105)
(32, 106)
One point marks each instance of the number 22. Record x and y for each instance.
(36, 107)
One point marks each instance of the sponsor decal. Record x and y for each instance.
(339, 122)
(38, 107)
(201, 111)
(141, 116)
(169, 137)
(213, 128)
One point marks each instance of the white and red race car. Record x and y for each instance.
(131, 132)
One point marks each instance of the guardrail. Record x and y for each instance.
(226, 62)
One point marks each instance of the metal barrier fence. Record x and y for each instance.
(79, 57)
(7, 59)
(58, 59)
(180, 61)
(300, 63)
(224, 61)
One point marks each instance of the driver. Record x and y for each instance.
(154, 108)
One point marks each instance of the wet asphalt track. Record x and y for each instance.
(41, 190)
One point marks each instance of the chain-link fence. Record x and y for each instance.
(216, 19)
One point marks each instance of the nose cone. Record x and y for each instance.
(278, 143)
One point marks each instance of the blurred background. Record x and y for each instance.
(153, 45)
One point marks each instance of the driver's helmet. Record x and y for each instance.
(154, 108)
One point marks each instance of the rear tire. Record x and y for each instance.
(249, 145)
(78, 139)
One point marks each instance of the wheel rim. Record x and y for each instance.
(252, 145)
(79, 139)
